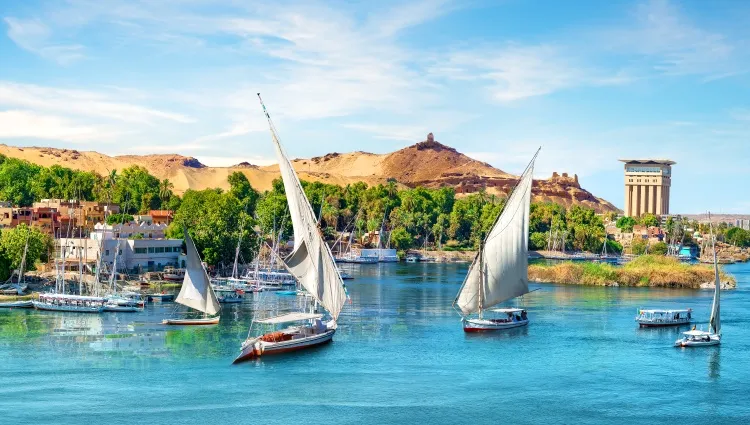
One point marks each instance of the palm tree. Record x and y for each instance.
(165, 190)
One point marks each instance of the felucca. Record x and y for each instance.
(196, 291)
(700, 338)
(499, 272)
(312, 264)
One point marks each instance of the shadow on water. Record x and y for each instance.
(500, 334)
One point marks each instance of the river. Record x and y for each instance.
(399, 356)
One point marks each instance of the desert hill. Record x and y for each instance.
(428, 164)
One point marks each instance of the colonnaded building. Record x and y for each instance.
(647, 186)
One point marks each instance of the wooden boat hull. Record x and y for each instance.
(255, 349)
(192, 322)
(173, 277)
(17, 304)
(67, 308)
(485, 325)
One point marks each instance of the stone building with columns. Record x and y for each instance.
(647, 186)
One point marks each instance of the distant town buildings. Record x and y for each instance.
(647, 186)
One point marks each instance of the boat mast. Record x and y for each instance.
(481, 277)
(235, 274)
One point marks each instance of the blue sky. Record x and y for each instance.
(589, 81)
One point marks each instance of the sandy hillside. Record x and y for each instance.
(428, 164)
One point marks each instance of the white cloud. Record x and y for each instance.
(17, 124)
(35, 36)
(80, 102)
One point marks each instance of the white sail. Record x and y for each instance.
(311, 262)
(500, 270)
(196, 289)
(715, 321)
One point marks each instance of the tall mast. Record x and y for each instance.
(481, 276)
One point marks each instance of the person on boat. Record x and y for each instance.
(693, 327)
(523, 315)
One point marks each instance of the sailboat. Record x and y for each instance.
(499, 271)
(196, 291)
(701, 338)
(312, 264)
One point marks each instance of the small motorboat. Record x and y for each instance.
(17, 304)
(698, 338)
(411, 259)
(173, 274)
(659, 318)
(509, 318)
(227, 295)
(289, 293)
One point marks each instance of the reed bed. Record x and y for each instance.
(644, 271)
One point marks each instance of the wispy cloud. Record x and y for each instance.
(516, 71)
(36, 37)
(675, 45)
(19, 124)
(80, 102)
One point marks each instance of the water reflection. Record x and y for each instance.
(714, 362)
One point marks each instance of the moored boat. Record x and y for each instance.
(173, 274)
(499, 271)
(17, 304)
(69, 303)
(659, 318)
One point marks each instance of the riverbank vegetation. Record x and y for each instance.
(644, 271)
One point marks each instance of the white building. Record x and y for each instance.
(146, 253)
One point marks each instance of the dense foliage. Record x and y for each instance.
(137, 191)
(12, 244)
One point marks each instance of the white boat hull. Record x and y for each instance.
(122, 308)
(68, 308)
(254, 348)
(644, 323)
(693, 343)
(192, 322)
(17, 304)
(487, 325)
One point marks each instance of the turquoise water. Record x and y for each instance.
(399, 356)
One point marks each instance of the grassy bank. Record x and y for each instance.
(32, 296)
(645, 271)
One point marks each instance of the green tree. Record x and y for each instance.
(649, 220)
(16, 179)
(119, 218)
(215, 221)
(659, 248)
(738, 237)
(12, 243)
(241, 189)
(626, 224)
(401, 239)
